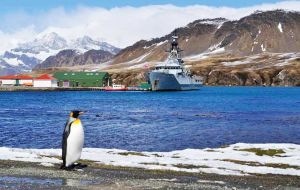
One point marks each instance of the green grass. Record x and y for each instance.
(261, 152)
(157, 155)
(224, 146)
(210, 150)
(188, 166)
(132, 154)
(153, 163)
(272, 165)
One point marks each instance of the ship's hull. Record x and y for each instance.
(168, 82)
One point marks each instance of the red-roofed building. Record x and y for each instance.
(16, 80)
(45, 81)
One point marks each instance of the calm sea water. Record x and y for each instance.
(154, 121)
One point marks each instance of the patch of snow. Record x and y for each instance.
(197, 57)
(280, 28)
(161, 43)
(49, 44)
(220, 25)
(214, 47)
(139, 59)
(186, 40)
(208, 181)
(235, 63)
(208, 160)
(43, 55)
(216, 22)
(47, 164)
(13, 61)
(218, 50)
(147, 47)
(156, 44)
(205, 55)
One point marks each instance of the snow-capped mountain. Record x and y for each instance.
(86, 43)
(27, 55)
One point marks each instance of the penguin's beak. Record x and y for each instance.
(80, 113)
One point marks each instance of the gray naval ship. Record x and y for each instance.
(172, 74)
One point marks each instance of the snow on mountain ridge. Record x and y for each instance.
(86, 43)
(53, 43)
(29, 54)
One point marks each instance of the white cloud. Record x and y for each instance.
(120, 26)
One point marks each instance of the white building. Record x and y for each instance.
(16, 80)
(45, 81)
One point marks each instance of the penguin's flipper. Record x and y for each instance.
(66, 134)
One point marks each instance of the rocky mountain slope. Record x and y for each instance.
(27, 55)
(272, 31)
(260, 49)
(69, 58)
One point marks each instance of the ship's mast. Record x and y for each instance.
(175, 50)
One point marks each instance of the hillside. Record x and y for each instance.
(69, 58)
(260, 49)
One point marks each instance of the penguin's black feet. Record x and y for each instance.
(79, 166)
(69, 168)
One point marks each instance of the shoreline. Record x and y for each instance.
(34, 89)
(28, 175)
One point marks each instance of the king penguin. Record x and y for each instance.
(73, 139)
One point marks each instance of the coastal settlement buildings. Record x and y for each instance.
(58, 79)
(16, 80)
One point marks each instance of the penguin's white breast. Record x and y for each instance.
(75, 142)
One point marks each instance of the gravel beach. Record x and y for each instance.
(26, 175)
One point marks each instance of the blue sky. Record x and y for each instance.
(25, 20)
(7, 6)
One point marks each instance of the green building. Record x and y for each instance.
(145, 86)
(82, 79)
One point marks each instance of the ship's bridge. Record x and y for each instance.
(171, 66)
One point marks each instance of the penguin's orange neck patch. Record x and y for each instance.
(77, 121)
